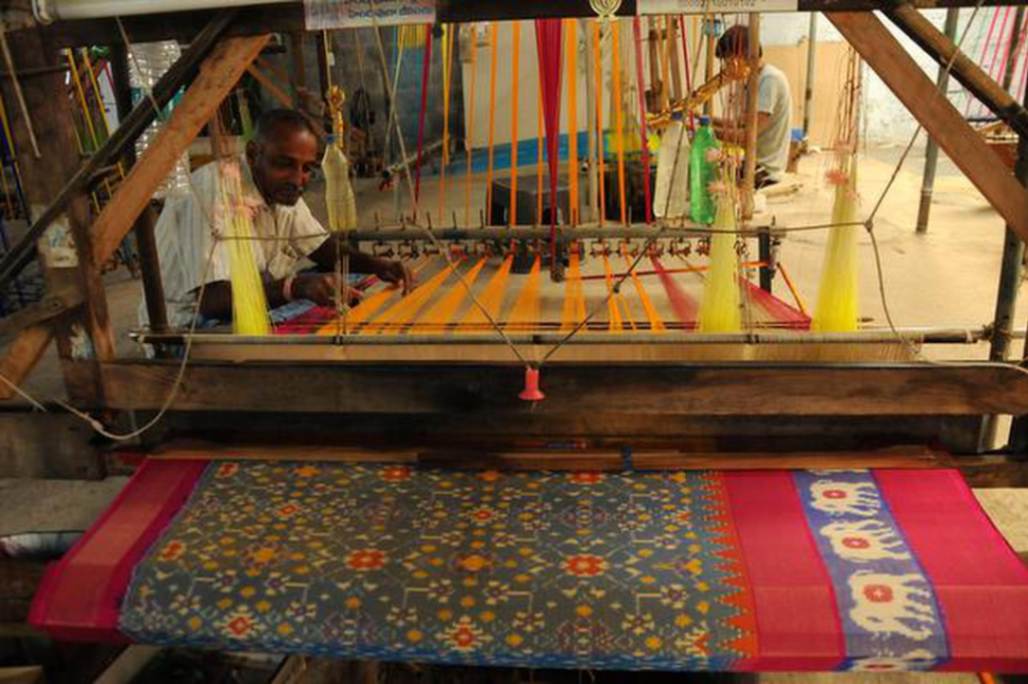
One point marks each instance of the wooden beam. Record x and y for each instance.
(941, 120)
(485, 392)
(219, 73)
(23, 354)
(287, 17)
(51, 305)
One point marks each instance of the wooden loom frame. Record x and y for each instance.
(930, 403)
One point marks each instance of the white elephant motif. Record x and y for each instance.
(836, 497)
(861, 541)
(896, 604)
(916, 660)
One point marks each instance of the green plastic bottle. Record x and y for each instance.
(702, 173)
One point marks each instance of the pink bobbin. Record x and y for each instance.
(531, 391)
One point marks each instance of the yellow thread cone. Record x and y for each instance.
(836, 309)
(249, 305)
(719, 311)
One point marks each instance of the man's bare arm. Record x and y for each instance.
(325, 257)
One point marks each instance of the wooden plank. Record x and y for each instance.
(480, 391)
(593, 430)
(288, 17)
(23, 354)
(615, 460)
(178, 450)
(219, 73)
(941, 120)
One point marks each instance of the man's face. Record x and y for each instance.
(282, 165)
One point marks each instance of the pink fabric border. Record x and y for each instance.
(798, 625)
(980, 583)
(80, 595)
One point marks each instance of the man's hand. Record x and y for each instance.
(321, 289)
(395, 272)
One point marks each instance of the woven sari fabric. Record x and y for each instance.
(761, 570)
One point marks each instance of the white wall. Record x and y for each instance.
(887, 120)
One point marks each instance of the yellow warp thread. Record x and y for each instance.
(656, 323)
(402, 313)
(438, 316)
(362, 312)
(574, 301)
(446, 56)
(370, 305)
(491, 298)
(614, 323)
(525, 312)
(249, 304)
(837, 299)
(719, 311)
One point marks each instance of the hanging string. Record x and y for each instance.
(469, 136)
(425, 70)
(447, 54)
(515, 29)
(618, 118)
(981, 58)
(598, 75)
(493, 28)
(645, 150)
(572, 30)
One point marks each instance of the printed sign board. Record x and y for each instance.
(337, 14)
(714, 6)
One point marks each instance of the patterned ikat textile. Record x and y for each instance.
(559, 569)
(770, 570)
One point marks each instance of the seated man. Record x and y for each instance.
(279, 161)
(774, 107)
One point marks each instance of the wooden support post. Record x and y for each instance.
(84, 332)
(942, 49)
(150, 268)
(931, 153)
(752, 94)
(218, 75)
(940, 119)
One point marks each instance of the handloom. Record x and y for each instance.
(687, 570)
(719, 569)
